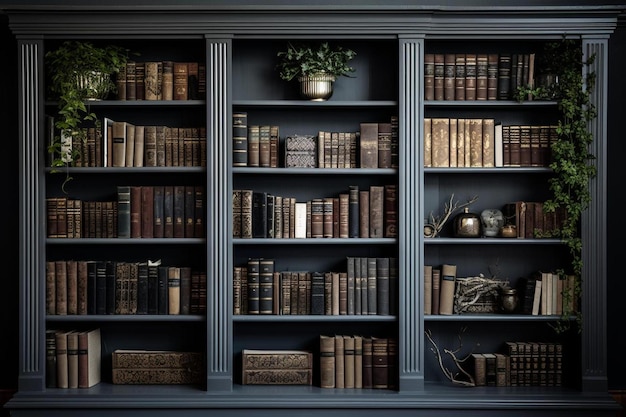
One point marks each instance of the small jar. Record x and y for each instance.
(508, 300)
(467, 224)
(508, 230)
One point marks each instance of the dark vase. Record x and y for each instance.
(467, 224)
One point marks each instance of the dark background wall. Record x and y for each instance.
(9, 208)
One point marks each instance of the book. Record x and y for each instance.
(482, 69)
(428, 289)
(354, 210)
(62, 364)
(439, 78)
(429, 76)
(490, 369)
(436, 290)
(277, 367)
(180, 72)
(459, 77)
(380, 364)
(89, 358)
(492, 76)
(470, 76)
(367, 362)
(440, 138)
(449, 76)
(60, 272)
(368, 145)
(136, 211)
(123, 211)
(240, 139)
(72, 286)
(479, 368)
(51, 359)
(131, 81)
(488, 145)
(327, 361)
(376, 211)
(339, 362)
(448, 278)
(173, 290)
(118, 141)
(348, 357)
(382, 286)
(504, 76)
(266, 286)
(72, 359)
(476, 142)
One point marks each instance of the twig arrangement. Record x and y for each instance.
(435, 224)
(458, 376)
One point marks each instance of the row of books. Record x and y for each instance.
(452, 142)
(548, 293)
(532, 221)
(73, 358)
(130, 145)
(357, 213)
(156, 367)
(375, 145)
(161, 80)
(354, 361)
(477, 76)
(78, 287)
(368, 287)
(537, 364)
(124, 144)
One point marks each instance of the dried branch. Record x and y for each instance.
(436, 223)
(452, 375)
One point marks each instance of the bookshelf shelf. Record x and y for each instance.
(124, 319)
(318, 241)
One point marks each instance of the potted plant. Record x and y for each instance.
(316, 67)
(78, 72)
(570, 151)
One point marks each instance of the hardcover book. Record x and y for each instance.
(277, 367)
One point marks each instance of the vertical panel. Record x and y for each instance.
(410, 204)
(32, 210)
(219, 326)
(594, 366)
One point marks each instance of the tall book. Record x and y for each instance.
(339, 362)
(449, 76)
(488, 146)
(428, 142)
(436, 290)
(123, 211)
(89, 358)
(439, 79)
(253, 286)
(181, 80)
(266, 286)
(459, 77)
(384, 145)
(369, 145)
(448, 280)
(504, 76)
(429, 76)
(72, 359)
(428, 289)
(376, 211)
(51, 359)
(240, 139)
(353, 207)
(62, 364)
(492, 76)
(440, 138)
(60, 271)
(482, 70)
(476, 142)
(118, 144)
(382, 286)
(380, 363)
(327, 361)
(470, 76)
(348, 354)
(173, 290)
(367, 362)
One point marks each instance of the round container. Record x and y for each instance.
(467, 224)
(508, 230)
(509, 300)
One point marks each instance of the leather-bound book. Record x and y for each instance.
(181, 80)
(384, 145)
(449, 76)
(173, 287)
(470, 76)
(369, 145)
(167, 82)
(60, 269)
(459, 77)
(72, 359)
(89, 358)
(327, 361)
(62, 363)
(380, 363)
(439, 76)
(482, 76)
(429, 76)
(448, 281)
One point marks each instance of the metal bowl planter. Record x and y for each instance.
(318, 87)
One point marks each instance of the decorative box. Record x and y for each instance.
(277, 367)
(156, 367)
(300, 151)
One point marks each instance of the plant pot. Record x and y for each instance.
(93, 85)
(316, 87)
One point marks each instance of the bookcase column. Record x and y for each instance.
(32, 210)
(219, 252)
(593, 226)
(411, 331)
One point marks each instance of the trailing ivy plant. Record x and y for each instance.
(67, 65)
(570, 151)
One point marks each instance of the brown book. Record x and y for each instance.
(339, 362)
(482, 71)
(502, 370)
(160, 146)
(453, 140)
(479, 368)
(515, 145)
(167, 83)
(436, 290)
(364, 213)
(120, 83)
(489, 133)
(274, 146)
(192, 80)
(89, 358)
(380, 363)
(492, 76)
(119, 144)
(476, 142)
(72, 359)
(72, 287)
(150, 146)
(135, 211)
(81, 288)
(236, 207)
(391, 211)
(173, 290)
(158, 211)
(327, 361)
(460, 143)
(428, 290)
(384, 145)
(62, 360)
(179, 211)
(470, 76)
(151, 81)
(264, 146)
(139, 150)
(131, 81)
(439, 82)
(147, 211)
(181, 81)
(140, 81)
(449, 76)
(344, 215)
(277, 367)
(459, 77)
(525, 157)
(440, 139)
(448, 279)
(254, 145)
(377, 211)
(60, 269)
(428, 138)
(51, 301)
(490, 369)
(152, 359)
(369, 145)
(429, 76)
(348, 355)
(327, 217)
(358, 361)
(185, 290)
